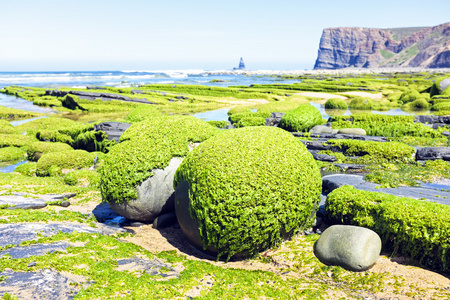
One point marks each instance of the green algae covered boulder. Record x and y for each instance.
(133, 180)
(70, 160)
(245, 190)
(335, 103)
(303, 118)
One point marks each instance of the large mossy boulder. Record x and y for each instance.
(301, 119)
(245, 190)
(137, 175)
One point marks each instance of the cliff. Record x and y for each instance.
(344, 47)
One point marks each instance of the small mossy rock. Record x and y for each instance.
(301, 119)
(351, 247)
(143, 112)
(336, 103)
(245, 190)
(37, 149)
(155, 195)
(51, 162)
(355, 131)
(321, 129)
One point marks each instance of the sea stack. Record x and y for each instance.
(241, 65)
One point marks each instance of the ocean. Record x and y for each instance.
(133, 78)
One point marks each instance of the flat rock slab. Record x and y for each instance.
(331, 182)
(14, 234)
(44, 284)
(35, 250)
(31, 201)
(151, 267)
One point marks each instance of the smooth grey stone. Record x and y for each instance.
(331, 182)
(165, 220)
(277, 115)
(351, 247)
(43, 284)
(354, 131)
(155, 195)
(35, 250)
(432, 153)
(14, 234)
(20, 202)
(321, 129)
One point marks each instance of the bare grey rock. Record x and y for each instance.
(14, 234)
(151, 267)
(43, 284)
(112, 129)
(351, 247)
(432, 153)
(354, 131)
(35, 250)
(321, 129)
(155, 195)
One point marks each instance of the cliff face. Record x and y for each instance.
(344, 47)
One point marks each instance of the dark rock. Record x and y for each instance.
(155, 195)
(65, 203)
(43, 284)
(351, 247)
(311, 145)
(432, 153)
(165, 220)
(103, 212)
(324, 157)
(112, 129)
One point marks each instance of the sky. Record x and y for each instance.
(80, 35)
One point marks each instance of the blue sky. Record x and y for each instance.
(68, 35)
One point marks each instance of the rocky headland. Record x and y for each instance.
(344, 47)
